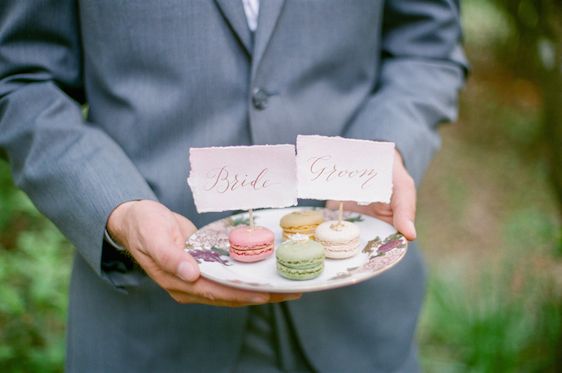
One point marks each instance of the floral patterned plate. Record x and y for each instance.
(381, 249)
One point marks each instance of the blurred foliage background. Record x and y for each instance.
(490, 208)
(489, 217)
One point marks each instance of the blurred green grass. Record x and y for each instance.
(488, 222)
(34, 272)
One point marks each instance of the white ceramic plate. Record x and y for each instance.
(381, 249)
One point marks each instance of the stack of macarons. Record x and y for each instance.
(339, 239)
(251, 244)
(301, 222)
(300, 258)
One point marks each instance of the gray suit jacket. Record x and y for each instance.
(162, 76)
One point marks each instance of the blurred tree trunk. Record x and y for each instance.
(536, 53)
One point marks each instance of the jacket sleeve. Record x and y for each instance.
(422, 69)
(74, 173)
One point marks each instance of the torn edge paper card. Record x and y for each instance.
(243, 177)
(344, 169)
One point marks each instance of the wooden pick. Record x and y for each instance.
(251, 218)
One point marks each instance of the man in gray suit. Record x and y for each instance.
(162, 76)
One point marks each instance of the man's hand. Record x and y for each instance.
(401, 212)
(155, 237)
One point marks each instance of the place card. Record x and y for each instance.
(243, 177)
(344, 169)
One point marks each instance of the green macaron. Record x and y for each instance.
(300, 258)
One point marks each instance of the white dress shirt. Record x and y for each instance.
(252, 8)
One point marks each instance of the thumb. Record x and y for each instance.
(188, 270)
(404, 207)
(185, 225)
(170, 256)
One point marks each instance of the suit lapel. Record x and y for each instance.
(269, 13)
(233, 11)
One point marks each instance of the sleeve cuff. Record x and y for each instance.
(110, 241)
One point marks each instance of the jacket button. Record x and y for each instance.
(259, 99)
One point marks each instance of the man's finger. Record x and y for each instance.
(380, 210)
(213, 291)
(209, 292)
(277, 298)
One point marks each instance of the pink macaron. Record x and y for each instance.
(251, 245)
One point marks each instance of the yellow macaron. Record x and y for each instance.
(301, 222)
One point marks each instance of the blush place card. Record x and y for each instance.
(344, 169)
(243, 177)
